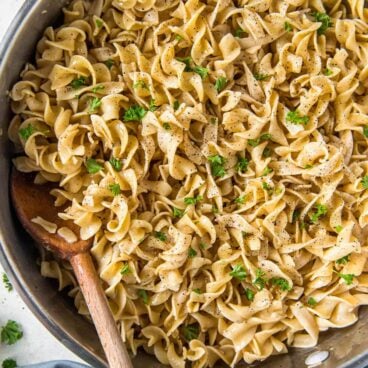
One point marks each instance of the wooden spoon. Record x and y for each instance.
(31, 200)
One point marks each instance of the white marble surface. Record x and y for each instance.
(37, 345)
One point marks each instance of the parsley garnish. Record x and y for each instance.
(109, 63)
(217, 163)
(364, 182)
(324, 19)
(260, 281)
(343, 260)
(176, 105)
(238, 32)
(295, 118)
(193, 200)
(282, 283)
(312, 302)
(240, 200)
(166, 126)
(152, 105)
(78, 82)
(99, 23)
(288, 27)
(160, 235)
(266, 152)
(191, 332)
(94, 104)
(116, 164)
(9, 363)
(327, 72)
(308, 166)
(321, 210)
(177, 213)
(338, 228)
(7, 283)
(365, 131)
(26, 132)
(178, 37)
(97, 88)
(135, 113)
(11, 333)
(200, 70)
(238, 272)
(249, 294)
(260, 76)
(187, 61)
(267, 170)
(203, 245)
(143, 295)
(220, 84)
(125, 270)
(266, 186)
(347, 277)
(262, 138)
(215, 209)
(192, 252)
(242, 164)
(296, 215)
(197, 291)
(115, 189)
(140, 84)
(93, 166)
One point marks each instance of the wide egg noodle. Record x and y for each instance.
(201, 265)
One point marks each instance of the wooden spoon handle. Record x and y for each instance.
(94, 295)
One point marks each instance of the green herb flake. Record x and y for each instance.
(295, 217)
(240, 200)
(116, 164)
(140, 84)
(94, 104)
(309, 166)
(135, 113)
(9, 363)
(294, 117)
(93, 166)
(178, 213)
(338, 228)
(238, 272)
(324, 19)
(266, 186)
(312, 302)
(242, 164)
(203, 245)
(343, 260)
(125, 269)
(115, 189)
(249, 294)
(239, 32)
(98, 88)
(200, 70)
(288, 27)
(26, 132)
(143, 295)
(191, 332)
(260, 280)
(152, 105)
(109, 63)
(217, 163)
(78, 82)
(192, 252)
(220, 84)
(7, 284)
(364, 182)
(166, 126)
(347, 277)
(178, 37)
(213, 121)
(193, 200)
(160, 235)
(215, 209)
(255, 142)
(266, 152)
(365, 131)
(327, 72)
(11, 333)
(260, 76)
(176, 105)
(321, 210)
(187, 61)
(267, 170)
(280, 282)
(99, 23)
(197, 291)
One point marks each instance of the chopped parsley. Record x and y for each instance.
(294, 117)
(295, 217)
(365, 131)
(178, 37)
(166, 126)
(11, 333)
(217, 163)
(347, 277)
(140, 84)
(249, 294)
(280, 282)
(288, 27)
(9, 363)
(26, 132)
(97, 88)
(321, 210)
(308, 166)
(260, 280)
(260, 76)
(135, 113)
(238, 272)
(220, 84)
(176, 105)
(327, 72)
(364, 182)
(266, 186)
(7, 284)
(192, 252)
(160, 235)
(343, 260)
(116, 164)
(193, 200)
(215, 209)
(93, 166)
(338, 228)
(240, 200)
(109, 63)
(324, 19)
(143, 295)
(203, 245)
(242, 164)
(200, 70)
(99, 23)
(152, 105)
(178, 213)
(266, 152)
(239, 32)
(255, 142)
(94, 104)
(78, 82)
(191, 332)
(312, 302)
(187, 61)
(267, 170)
(115, 189)
(125, 269)
(197, 291)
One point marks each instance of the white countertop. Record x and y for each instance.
(37, 344)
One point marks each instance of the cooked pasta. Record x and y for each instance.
(216, 152)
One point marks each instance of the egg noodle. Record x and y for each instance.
(216, 152)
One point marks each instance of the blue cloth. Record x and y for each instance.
(57, 364)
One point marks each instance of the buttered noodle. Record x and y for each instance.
(216, 151)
